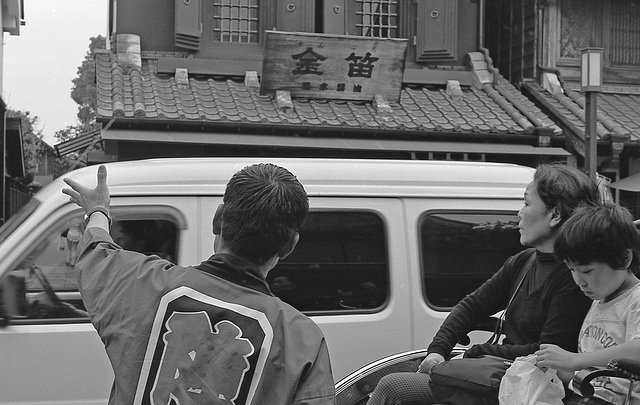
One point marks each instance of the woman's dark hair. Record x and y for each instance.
(565, 188)
(604, 234)
(264, 206)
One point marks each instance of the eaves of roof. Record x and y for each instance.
(83, 142)
(145, 96)
(618, 110)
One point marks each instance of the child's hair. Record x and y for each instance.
(603, 234)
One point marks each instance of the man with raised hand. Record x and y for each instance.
(211, 333)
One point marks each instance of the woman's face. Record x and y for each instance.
(536, 221)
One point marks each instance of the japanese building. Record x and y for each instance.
(365, 78)
(537, 45)
(14, 194)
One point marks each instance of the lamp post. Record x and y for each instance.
(591, 84)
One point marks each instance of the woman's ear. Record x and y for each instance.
(556, 217)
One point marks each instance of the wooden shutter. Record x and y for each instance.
(437, 30)
(188, 24)
(295, 16)
(334, 14)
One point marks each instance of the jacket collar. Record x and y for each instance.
(236, 270)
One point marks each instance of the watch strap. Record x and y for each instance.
(102, 210)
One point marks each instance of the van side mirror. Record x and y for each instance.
(13, 297)
(4, 319)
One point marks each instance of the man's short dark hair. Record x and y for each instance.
(264, 206)
(603, 234)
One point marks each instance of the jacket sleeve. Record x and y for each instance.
(103, 270)
(566, 311)
(316, 386)
(489, 298)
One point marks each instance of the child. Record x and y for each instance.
(601, 247)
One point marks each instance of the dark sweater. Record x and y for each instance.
(548, 308)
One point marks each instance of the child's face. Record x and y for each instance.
(598, 281)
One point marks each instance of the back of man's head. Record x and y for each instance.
(264, 207)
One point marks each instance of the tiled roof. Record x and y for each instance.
(618, 109)
(144, 94)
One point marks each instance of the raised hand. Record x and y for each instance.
(90, 199)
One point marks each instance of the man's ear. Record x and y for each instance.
(556, 217)
(289, 246)
(217, 220)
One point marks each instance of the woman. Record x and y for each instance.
(547, 308)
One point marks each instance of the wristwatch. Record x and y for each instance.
(102, 210)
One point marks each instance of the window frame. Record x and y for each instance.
(119, 212)
(380, 220)
(352, 19)
(276, 15)
(211, 48)
(601, 34)
(421, 252)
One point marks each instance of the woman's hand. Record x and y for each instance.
(555, 357)
(431, 360)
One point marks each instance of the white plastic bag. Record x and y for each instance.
(526, 384)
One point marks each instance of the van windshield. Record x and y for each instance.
(18, 218)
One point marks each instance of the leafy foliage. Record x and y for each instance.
(83, 93)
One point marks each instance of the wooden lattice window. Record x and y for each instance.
(377, 18)
(612, 25)
(581, 26)
(625, 32)
(236, 21)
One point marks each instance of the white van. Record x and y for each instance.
(388, 248)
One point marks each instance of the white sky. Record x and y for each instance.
(41, 62)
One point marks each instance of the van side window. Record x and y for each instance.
(340, 264)
(43, 285)
(151, 237)
(460, 251)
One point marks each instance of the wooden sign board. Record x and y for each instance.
(337, 67)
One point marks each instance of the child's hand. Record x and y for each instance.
(566, 376)
(555, 357)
